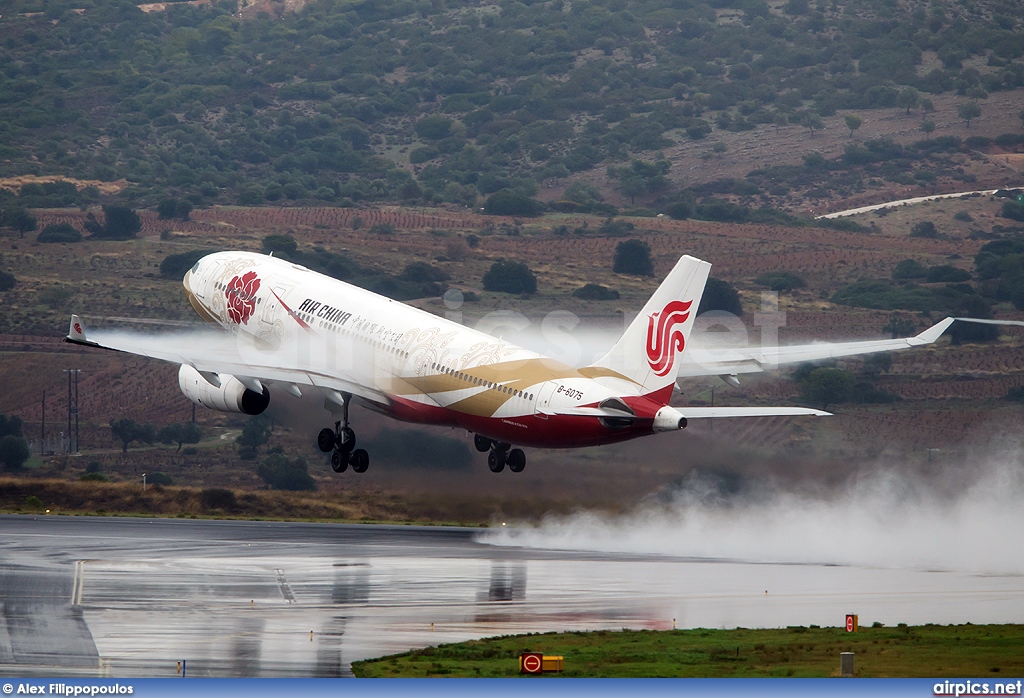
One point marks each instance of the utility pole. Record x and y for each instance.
(42, 429)
(72, 408)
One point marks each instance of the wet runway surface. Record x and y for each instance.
(83, 596)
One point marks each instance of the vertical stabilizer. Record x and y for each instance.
(648, 352)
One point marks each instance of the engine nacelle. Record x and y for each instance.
(231, 396)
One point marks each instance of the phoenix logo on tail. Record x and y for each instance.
(663, 339)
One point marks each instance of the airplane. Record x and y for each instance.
(293, 329)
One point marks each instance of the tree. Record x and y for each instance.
(282, 473)
(633, 257)
(928, 126)
(812, 122)
(719, 295)
(853, 122)
(968, 111)
(120, 223)
(7, 281)
(13, 451)
(255, 434)
(909, 269)
(17, 218)
(181, 433)
(126, 431)
(173, 208)
(828, 386)
(13, 446)
(779, 120)
(510, 277)
(908, 97)
(280, 245)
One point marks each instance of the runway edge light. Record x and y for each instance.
(852, 622)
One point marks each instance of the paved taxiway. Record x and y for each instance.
(133, 597)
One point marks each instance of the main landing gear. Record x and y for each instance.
(500, 455)
(340, 442)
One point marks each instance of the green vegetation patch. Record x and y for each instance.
(928, 650)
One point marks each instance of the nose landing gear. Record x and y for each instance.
(499, 454)
(340, 442)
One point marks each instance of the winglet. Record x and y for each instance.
(931, 334)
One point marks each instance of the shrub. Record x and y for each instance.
(158, 478)
(217, 498)
(510, 203)
(963, 216)
(411, 446)
(174, 266)
(909, 269)
(173, 208)
(510, 277)
(633, 257)
(1013, 210)
(433, 127)
(33, 502)
(828, 386)
(780, 280)
(94, 477)
(7, 281)
(947, 273)
(924, 229)
(596, 292)
(282, 473)
(280, 244)
(382, 229)
(59, 232)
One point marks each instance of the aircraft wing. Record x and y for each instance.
(733, 361)
(212, 352)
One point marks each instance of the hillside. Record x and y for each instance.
(594, 104)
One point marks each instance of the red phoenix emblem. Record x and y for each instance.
(663, 338)
(241, 295)
(78, 329)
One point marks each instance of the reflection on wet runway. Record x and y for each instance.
(274, 599)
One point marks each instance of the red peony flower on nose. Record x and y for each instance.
(241, 295)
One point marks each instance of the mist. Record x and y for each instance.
(965, 517)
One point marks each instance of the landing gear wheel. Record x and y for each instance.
(516, 460)
(347, 440)
(360, 460)
(496, 461)
(482, 443)
(325, 440)
(339, 462)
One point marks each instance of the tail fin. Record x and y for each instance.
(646, 352)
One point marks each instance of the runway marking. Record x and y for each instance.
(286, 591)
(77, 583)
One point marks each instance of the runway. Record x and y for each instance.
(87, 596)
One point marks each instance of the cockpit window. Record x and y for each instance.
(195, 268)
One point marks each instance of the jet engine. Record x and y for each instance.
(229, 396)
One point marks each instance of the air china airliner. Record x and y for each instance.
(295, 330)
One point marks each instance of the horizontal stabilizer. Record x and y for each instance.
(706, 412)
